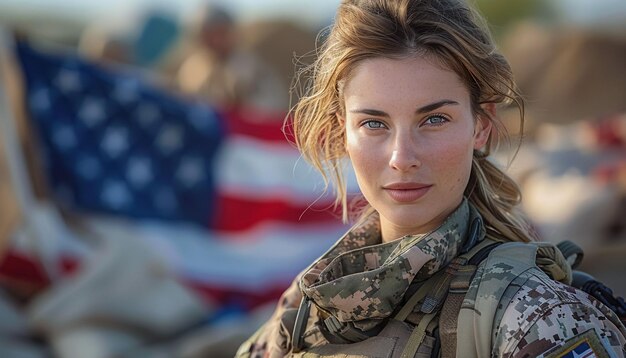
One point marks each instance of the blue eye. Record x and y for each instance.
(373, 124)
(436, 120)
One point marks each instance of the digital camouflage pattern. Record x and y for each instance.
(543, 317)
(362, 281)
(514, 309)
(365, 285)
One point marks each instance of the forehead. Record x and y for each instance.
(414, 79)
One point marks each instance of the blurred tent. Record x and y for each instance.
(79, 270)
(573, 181)
(568, 74)
(572, 164)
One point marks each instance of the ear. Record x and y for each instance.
(484, 123)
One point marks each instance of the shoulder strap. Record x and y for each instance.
(419, 331)
(433, 293)
(506, 264)
(459, 286)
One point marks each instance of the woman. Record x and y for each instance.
(407, 90)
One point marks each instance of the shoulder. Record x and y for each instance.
(548, 317)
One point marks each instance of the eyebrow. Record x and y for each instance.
(425, 109)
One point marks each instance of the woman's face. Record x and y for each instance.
(410, 134)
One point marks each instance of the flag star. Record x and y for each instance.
(91, 112)
(147, 114)
(64, 137)
(126, 90)
(115, 194)
(68, 80)
(115, 141)
(165, 200)
(200, 117)
(88, 167)
(139, 171)
(170, 139)
(40, 99)
(190, 172)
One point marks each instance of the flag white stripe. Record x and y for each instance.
(260, 169)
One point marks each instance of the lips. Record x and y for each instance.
(406, 192)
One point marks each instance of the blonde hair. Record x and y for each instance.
(447, 30)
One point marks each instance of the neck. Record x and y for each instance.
(390, 232)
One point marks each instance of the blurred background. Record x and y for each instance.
(151, 206)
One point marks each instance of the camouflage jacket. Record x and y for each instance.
(362, 282)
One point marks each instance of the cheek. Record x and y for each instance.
(361, 155)
(366, 161)
(355, 146)
(454, 163)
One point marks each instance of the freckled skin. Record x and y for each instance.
(389, 141)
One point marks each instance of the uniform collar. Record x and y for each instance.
(362, 280)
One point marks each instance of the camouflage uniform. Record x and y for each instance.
(362, 282)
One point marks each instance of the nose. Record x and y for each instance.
(404, 155)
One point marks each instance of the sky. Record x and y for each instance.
(119, 16)
(312, 12)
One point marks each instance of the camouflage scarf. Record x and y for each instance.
(362, 280)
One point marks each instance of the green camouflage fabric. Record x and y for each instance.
(365, 284)
(545, 315)
(360, 280)
(514, 309)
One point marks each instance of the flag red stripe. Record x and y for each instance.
(264, 126)
(242, 213)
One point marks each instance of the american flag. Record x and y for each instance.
(580, 350)
(113, 143)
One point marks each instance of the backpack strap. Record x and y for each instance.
(432, 294)
(419, 331)
(417, 336)
(448, 320)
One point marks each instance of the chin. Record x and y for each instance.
(411, 216)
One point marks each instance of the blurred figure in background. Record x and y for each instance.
(101, 46)
(152, 47)
(224, 73)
